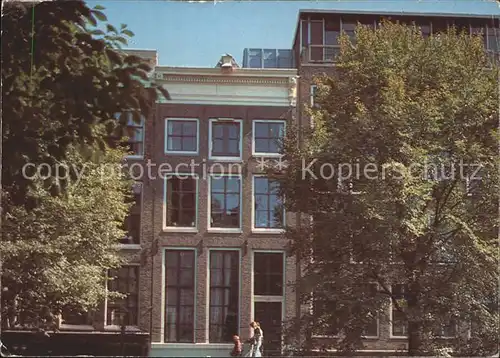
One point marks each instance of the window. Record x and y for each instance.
(332, 33)
(267, 137)
(123, 311)
(224, 295)
(268, 210)
(181, 201)
(132, 223)
(225, 139)
(225, 202)
(182, 136)
(447, 330)
(179, 320)
(135, 135)
(77, 317)
(399, 323)
(268, 274)
(312, 95)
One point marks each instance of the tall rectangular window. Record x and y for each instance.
(268, 209)
(181, 201)
(399, 322)
(182, 136)
(267, 137)
(224, 295)
(312, 95)
(268, 273)
(123, 311)
(135, 134)
(225, 139)
(179, 312)
(225, 205)
(132, 223)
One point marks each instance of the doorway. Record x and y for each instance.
(269, 315)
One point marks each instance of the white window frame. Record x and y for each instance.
(259, 229)
(390, 320)
(312, 94)
(209, 206)
(261, 298)
(164, 291)
(141, 205)
(143, 125)
(180, 152)
(210, 139)
(180, 228)
(266, 154)
(114, 326)
(207, 324)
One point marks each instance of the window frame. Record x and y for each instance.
(312, 95)
(166, 136)
(140, 204)
(240, 277)
(267, 121)
(255, 229)
(209, 206)
(166, 228)
(210, 139)
(164, 286)
(264, 298)
(391, 310)
(142, 126)
(106, 322)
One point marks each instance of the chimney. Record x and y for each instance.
(227, 63)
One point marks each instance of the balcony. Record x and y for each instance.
(319, 54)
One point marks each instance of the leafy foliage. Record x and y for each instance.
(56, 255)
(399, 115)
(64, 77)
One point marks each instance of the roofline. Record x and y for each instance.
(385, 13)
(239, 72)
(398, 13)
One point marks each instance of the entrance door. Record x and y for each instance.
(268, 314)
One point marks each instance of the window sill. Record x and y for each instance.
(267, 155)
(134, 156)
(267, 231)
(76, 327)
(398, 337)
(128, 246)
(191, 230)
(114, 327)
(224, 230)
(181, 153)
(226, 159)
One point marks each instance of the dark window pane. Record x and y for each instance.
(225, 202)
(225, 139)
(268, 209)
(179, 318)
(268, 274)
(182, 136)
(224, 295)
(181, 202)
(123, 311)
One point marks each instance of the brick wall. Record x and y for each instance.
(152, 220)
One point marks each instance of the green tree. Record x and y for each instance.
(399, 115)
(64, 78)
(55, 255)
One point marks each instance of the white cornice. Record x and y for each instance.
(239, 72)
(247, 80)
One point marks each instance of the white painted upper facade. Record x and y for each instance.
(229, 86)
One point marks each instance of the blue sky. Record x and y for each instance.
(197, 34)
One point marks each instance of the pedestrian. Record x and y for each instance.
(238, 347)
(257, 339)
